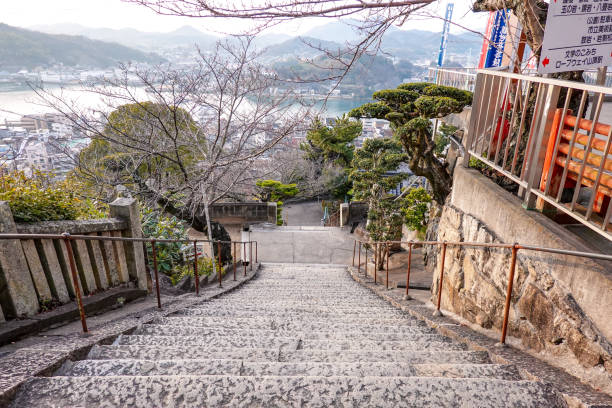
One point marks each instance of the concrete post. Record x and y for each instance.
(344, 214)
(127, 210)
(272, 212)
(17, 293)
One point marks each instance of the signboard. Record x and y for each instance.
(445, 28)
(578, 36)
(495, 53)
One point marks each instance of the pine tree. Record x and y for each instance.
(374, 174)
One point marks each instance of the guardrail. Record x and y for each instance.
(527, 128)
(443, 244)
(68, 238)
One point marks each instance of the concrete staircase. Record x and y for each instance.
(296, 335)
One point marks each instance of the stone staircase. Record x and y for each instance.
(296, 335)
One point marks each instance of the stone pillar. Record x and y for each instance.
(344, 214)
(127, 210)
(17, 293)
(272, 213)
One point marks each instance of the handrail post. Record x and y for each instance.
(437, 312)
(366, 261)
(154, 251)
(509, 294)
(234, 259)
(256, 258)
(407, 296)
(195, 267)
(75, 281)
(251, 254)
(387, 282)
(376, 263)
(359, 259)
(220, 271)
(354, 248)
(244, 257)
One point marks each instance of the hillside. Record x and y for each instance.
(186, 36)
(370, 73)
(305, 47)
(407, 44)
(403, 44)
(26, 49)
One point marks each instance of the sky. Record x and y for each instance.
(117, 14)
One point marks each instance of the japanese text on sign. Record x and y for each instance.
(578, 36)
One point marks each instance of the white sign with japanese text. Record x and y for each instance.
(578, 36)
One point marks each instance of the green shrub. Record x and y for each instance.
(205, 268)
(39, 198)
(414, 207)
(157, 225)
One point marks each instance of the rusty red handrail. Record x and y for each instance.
(444, 244)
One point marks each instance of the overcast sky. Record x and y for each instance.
(116, 14)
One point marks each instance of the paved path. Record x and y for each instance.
(306, 213)
(297, 335)
(303, 244)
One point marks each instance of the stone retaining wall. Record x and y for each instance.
(561, 305)
(35, 274)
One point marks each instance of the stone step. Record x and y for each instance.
(417, 334)
(298, 310)
(190, 391)
(289, 343)
(281, 319)
(298, 307)
(238, 367)
(143, 352)
(265, 323)
(293, 302)
(399, 317)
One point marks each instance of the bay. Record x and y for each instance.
(16, 101)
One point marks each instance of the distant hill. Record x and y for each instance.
(425, 44)
(405, 44)
(26, 49)
(412, 45)
(305, 47)
(185, 36)
(368, 74)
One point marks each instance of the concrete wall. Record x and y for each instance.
(561, 305)
(308, 244)
(36, 272)
(243, 213)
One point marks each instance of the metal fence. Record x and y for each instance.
(462, 78)
(68, 239)
(382, 248)
(547, 136)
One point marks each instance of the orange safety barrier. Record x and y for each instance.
(583, 158)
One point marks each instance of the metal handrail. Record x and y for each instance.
(514, 248)
(66, 237)
(549, 81)
(531, 129)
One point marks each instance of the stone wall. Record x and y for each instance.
(561, 305)
(35, 274)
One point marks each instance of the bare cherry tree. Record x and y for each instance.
(182, 139)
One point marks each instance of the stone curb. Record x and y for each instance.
(13, 330)
(46, 356)
(575, 393)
